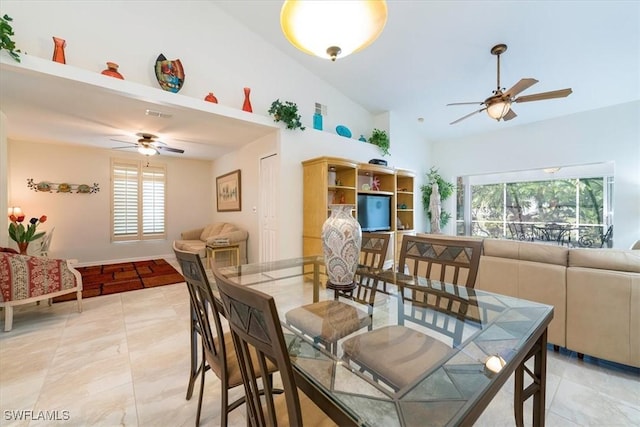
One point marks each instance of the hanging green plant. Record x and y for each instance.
(5, 38)
(381, 139)
(444, 188)
(286, 112)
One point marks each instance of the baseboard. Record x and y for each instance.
(170, 256)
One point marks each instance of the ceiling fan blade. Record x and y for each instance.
(544, 95)
(171, 149)
(510, 115)
(123, 148)
(467, 116)
(523, 84)
(467, 103)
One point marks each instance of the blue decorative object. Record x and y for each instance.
(362, 138)
(343, 131)
(317, 121)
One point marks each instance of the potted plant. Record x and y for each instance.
(381, 139)
(445, 189)
(286, 112)
(5, 38)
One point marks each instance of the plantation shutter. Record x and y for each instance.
(138, 201)
(153, 191)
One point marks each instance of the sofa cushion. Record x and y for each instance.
(526, 251)
(212, 230)
(196, 246)
(605, 259)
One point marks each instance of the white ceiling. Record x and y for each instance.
(430, 53)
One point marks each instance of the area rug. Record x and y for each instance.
(127, 276)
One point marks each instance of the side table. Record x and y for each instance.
(233, 252)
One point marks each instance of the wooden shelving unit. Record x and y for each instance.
(329, 180)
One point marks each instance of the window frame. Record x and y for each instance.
(139, 166)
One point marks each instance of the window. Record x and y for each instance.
(509, 204)
(138, 200)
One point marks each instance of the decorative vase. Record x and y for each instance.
(317, 121)
(112, 70)
(211, 98)
(247, 102)
(341, 241)
(362, 138)
(22, 247)
(58, 50)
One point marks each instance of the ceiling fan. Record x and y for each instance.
(148, 145)
(498, 105)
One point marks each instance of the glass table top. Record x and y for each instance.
(480, 337)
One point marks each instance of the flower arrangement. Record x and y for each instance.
(20, 234)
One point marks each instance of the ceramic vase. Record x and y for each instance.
(112, 71)
(247, 102)
(211, 98)
(58, 50)
(341, 241)
(22, 247)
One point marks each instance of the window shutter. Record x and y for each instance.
(138, 201)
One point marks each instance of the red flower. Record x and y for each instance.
(13, 218)
(20, 218)
(43, 218)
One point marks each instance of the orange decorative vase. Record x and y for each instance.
(247, 102)
(22, 247)
(112, 70)
(211, 98)
(58, 50)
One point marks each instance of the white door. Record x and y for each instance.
(268, 208)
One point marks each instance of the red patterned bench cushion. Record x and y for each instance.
(23, 276)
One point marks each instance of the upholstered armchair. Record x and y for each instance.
(25, 279)
(196, 240)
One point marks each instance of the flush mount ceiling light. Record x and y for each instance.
(329, 29)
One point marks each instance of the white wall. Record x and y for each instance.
(82, 221)
(609, 134)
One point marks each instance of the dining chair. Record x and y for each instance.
(256, 328)
(448, 259)
(328, 321)
(218, 352)
(397, 355)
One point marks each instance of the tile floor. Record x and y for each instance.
(124, 361)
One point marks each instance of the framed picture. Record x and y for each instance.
(228, 192)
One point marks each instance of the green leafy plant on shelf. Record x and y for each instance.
(287, 113)
(6, 31)
(381, 139)
(444, 188)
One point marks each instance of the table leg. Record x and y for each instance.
(537, 388)
(316, 282)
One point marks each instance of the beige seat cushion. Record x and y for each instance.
(195, 246)
(396, 353)
(328, 320)
(312, 416)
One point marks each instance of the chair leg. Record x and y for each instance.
(202, 372)
(224, 404)
(8, 318)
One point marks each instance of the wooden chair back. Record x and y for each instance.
(440, 307)
(206, 322)
(255, 326)
(450, 260)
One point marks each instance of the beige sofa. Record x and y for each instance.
(196, 240)
(595, 293)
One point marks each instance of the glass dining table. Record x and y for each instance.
(487, 337)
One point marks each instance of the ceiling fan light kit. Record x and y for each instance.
(329, 29)
(148, 145)
(498, 105)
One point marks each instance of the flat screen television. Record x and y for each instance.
(374, 212)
